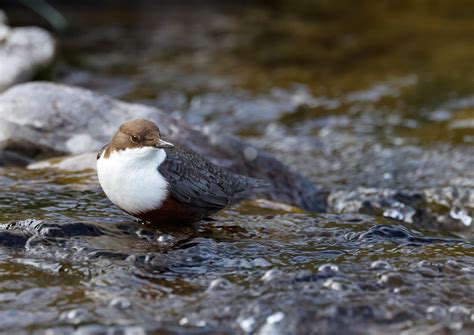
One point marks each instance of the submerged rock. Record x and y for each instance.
(44, 119)
(23, 51)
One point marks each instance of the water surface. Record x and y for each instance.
(376, 107)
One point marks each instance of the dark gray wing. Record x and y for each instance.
(195, 181)
(102, 150)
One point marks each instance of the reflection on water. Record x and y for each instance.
(377, 107)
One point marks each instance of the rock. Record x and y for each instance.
(43, 119)
(33, 227)
(23, 51)
(86, 161)
(11, 239)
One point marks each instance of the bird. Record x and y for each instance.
(160, 182)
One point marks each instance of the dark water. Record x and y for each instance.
(374, 103)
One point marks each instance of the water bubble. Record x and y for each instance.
(380, 265)
(334, 285)
(424, 263)
(247, 324)
(75, 316)
(271, 325)
(164, 238)
(120, 302)
(250, 153)
(387, 175)
(461, 215)
(271, 275)
(260, 262)
(328, 269)
(394, 214)
(220, 284)
(277, 317)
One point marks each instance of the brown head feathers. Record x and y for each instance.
(136, 134)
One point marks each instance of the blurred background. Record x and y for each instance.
(307, 80)
(371, 100)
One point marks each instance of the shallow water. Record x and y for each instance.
(376, 107)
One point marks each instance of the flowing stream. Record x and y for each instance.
(371, 104)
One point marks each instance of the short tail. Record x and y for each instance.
(252, 187)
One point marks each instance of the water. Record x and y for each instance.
(375, 107)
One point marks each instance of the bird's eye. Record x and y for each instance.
(134, 139)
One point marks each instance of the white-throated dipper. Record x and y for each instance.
(159, 182)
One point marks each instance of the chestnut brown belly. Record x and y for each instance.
(175, 212)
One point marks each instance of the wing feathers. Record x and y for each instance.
(195, 181)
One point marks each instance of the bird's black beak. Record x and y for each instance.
(163, 144)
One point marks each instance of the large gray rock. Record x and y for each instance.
(43, 119)
(23, 51)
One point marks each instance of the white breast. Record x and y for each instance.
(131, 180)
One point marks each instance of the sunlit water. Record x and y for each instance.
(365, 105)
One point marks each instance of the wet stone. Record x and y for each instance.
(45, 229)
(23, 52)
(13, 239)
